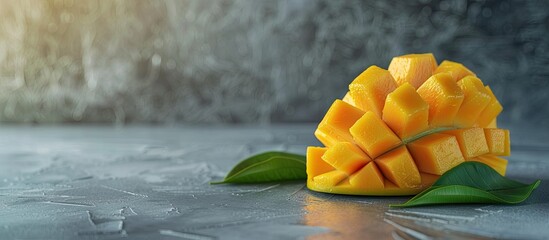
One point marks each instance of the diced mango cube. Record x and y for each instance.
(456, 70)
(499, 142)
(315, 164)
(413, 68)
(369, 177)
(370, 89)
(330, 179)
(436, 153)
(493, 123)
(373, 136)
(405, 112)
(497, 163)
(399, 167)
(348, 99)
(476, 98)
(491, 111)
(335, 125)
(472, 141)
(346, 156)
(444, 97)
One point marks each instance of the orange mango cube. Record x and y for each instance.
(413, 68)
(399, 167)
(346, 157)
(498, 140)
(491, 111)
(472, 141)
(348, 99)
(369, 177)
(330, 179)
(373, 136)
(493, 123)
(335, 125)
(476, 98)
(370, 89)
(456, 70)
(315, 164)
(444, 98)
(436, 153)
(405, 112)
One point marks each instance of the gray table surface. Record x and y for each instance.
(139, 182)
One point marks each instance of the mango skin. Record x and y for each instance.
(388, 137)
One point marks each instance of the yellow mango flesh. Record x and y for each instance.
(373, 135)
(348, 99)
(330, 179)
(335, 126)
(405, 112)
(315, 165)
(476, 98)
(413, 68)
(496, 163)
(456, 70)
(493, 123)
(389, 139)
(472, 141)
(346, 157)
(498, 140)
(491, 111)
(444, 98)
(369, 177)
(370, 89)
(399, 167)
(436, 153)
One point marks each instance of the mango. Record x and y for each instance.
(396, 131)
(498, 141)
(472, 141)
(368, 177)
(335, 126)
(454, 69)
(316, 165)
(436, 153)
(370, 89)
(413, 68)
(373, 135)
(476, 98)
(491, 111)
(399, 167)
(346, 157)
(444, 98)
(405, 112)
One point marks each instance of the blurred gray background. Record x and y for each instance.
(251, 61)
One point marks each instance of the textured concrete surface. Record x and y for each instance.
(251, 61)
(152, 183)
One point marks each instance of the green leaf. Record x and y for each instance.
(472, 182)
(268, 167)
